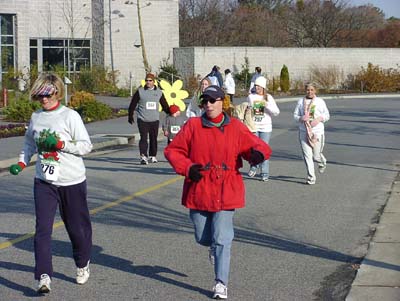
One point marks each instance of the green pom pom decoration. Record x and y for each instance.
(15, 169)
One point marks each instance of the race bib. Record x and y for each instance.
(151, 105)
(175, 129)
(50, 169)
(258, 118)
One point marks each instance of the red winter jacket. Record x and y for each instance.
(220, 151)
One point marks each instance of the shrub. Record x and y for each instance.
(274, 85)
(21, 110)
(326, 78)
(297, 87)
(376, 79)
(80, 98)
(95, 80)
(94, 111)
(86, 81)
(10, 79)
(123, 92)
(12, 130)
(243, 78)
(168, 71)
(119, 112)
(284, 82)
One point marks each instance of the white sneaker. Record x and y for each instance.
(211, 256)
(252, 172)
(144, 160)
(82, 274)
(264, 178)
(322, 168)
(220, 291)
(153, 159)
(44, 284)
(310, 181)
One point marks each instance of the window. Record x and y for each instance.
(7, 46)
(70, 55)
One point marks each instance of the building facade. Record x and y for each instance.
(76, 34)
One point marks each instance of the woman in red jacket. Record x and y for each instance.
(208, 151)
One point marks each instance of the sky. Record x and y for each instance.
(391, 8)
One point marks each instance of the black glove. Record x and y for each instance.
(194, 173)
(131, 120)
(256, 157)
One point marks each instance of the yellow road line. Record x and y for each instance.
(124, 199)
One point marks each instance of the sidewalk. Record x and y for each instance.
(379, 275)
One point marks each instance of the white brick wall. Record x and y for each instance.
(271, 60)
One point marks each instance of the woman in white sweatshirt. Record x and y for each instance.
(264, 107)
(58, 136)
(229, 84)
(311, 113)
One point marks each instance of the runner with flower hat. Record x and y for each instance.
(59, 137)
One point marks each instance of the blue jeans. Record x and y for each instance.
(265, 136)
(215, 230)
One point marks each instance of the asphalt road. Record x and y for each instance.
(292, 241)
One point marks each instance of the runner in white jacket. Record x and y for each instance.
(264, 107)
(311, 113)
(58, 136)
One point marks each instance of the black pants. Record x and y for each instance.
(148, 129)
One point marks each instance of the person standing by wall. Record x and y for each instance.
(215, 76)
(256, 74)
(229, 84)
(264, 107)
(311, 113)
(146, 102)
(208, 151)
(59, 137)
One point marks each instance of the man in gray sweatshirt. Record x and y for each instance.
(146, 102)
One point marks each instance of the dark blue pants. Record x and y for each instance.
(74, 212)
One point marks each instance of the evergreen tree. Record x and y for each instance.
(284, 79)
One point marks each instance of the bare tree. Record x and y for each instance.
(301, 23)
(268, 4)
(202, 22)
(316, 23)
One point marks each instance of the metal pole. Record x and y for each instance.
(111, 46)
(66, 94)
(130, 82)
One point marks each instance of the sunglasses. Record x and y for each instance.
(204, 101)
(148, 80)
(39, 96)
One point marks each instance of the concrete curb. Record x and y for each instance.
(378, 277)
(339, 96)
(99, 141)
